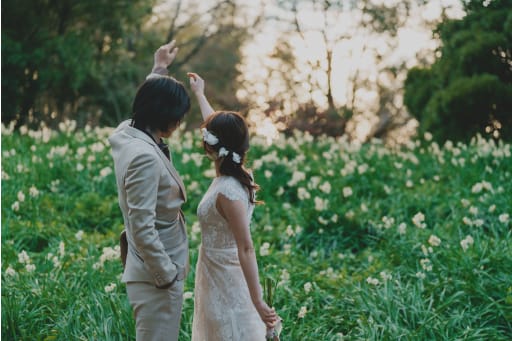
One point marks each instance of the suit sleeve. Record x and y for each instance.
(141, 185)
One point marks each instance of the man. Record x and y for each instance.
(151, 193)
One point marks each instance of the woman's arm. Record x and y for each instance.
(234, 211)
(197, 85)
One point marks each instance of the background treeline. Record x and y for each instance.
(84, 60)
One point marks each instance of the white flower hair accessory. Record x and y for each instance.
(223, 152)
(235, 156)
(209, 138)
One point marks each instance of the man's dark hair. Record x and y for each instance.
(160, 104)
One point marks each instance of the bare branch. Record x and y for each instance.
(172, 29)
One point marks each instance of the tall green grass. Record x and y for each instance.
(365, 242)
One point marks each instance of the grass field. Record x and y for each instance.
(365, 242)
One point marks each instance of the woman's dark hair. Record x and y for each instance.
(233, 134)
(160, 104)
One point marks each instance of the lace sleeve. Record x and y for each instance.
(233, 190)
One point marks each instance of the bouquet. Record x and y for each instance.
(269, 288)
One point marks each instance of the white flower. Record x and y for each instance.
(79, 235)
(268, 174)
(347, 191)
(210, 173)
(285, 276)
(388, 221)
(478, 222)
(321, 204)
(16, 206)
(418, 220)
(401, 228)
(314, 181)
(21, 196)
(467, 221)
(110, 287)
(307, 287)
(504, 218)
(466, 242)
(30, 267)
(339, 336)
(361, 169)
(473, 210)
(409, 184)
(302, 312)
(289, 231)
(434, 240)
(302, 193)
(33, 191)
(54, 185)
(287, 249)
(209, 138)
(188, 295)
(296, 177)
(385, 276)
(420, 275)
(56, 262)
(81, 151)
(105, 171)
(62, 249)
(264, 249)
(322, 221)
(79, 167)
(5, 176)
(10, 271)
(23, 257)
(424, 250)
(350, 214)
(477, 188)
(326, 187)
(426, 264)
(373, 281)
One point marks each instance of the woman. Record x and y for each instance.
(228, 298)
(150, 196)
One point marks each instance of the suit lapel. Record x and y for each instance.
(170, 167)
(168, 163)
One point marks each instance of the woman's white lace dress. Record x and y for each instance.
(223, 309)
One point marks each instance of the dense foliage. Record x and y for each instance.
(365, 242)
(85, 59)
(61, 56)
(468, 89)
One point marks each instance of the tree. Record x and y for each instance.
(54, 53)
(210, 36)
(333, 66)
(468, 89)
(84, 59)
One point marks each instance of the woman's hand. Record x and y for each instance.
(268, 315)
(196, 83)
(165, 55)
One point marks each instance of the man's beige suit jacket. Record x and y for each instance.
(151, 193)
